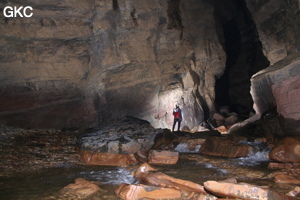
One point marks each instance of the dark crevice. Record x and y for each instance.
(115, 4)
(133, 17)
(174, 16)
(239, 37)
(232, 45)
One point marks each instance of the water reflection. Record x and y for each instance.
(108, 176)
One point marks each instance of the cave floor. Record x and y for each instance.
(33, 158)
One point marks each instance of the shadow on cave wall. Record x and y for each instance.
(239, 37)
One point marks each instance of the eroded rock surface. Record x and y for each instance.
(85, 63)
(278, 84)
(127, 136)
(116, 144)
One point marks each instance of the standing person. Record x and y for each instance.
(177, 117)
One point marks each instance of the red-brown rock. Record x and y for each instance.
(289, 168)
(109, 159)
(288, 150)
(220, 146)
(283, 178)
(294, 192)
(287, 97)
(222, 129)
(162, 180)
(275, 165)
(81, 188)
(203, 197)
(243, 191)
(134, 192)
(163, 157)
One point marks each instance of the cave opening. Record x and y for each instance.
(238, 35)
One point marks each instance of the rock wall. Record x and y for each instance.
(87, 63)
(278, 85)
(277, 22)
(43, 61)
(149, 60)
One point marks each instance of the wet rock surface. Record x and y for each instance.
(80, 189)
(228, 189)
(243, 191)
(287, 150)
(223, 146)
(163, 157)
(31, 150)
(126, 191)
(110, 159)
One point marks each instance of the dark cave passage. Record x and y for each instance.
(239, 38)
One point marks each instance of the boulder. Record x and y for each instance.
(224, 110)
(294, 192)
(163, 157)
(232, 119)
(130, 135)
(222, 146)
(81, 189)
(279, 83)
(162, 180)
(218, 117)
(134, 192)
(283, 178)
(115, 144)
(287, 150)
(243, 191)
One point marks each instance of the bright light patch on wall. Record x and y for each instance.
(166, 103)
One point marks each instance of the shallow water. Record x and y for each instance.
(46, 184)
(194, 167)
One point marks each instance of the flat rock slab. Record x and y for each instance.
(243, 191)
(133, 192)
(107, 159)
(163, 157)
(225, 147)
(162, 180)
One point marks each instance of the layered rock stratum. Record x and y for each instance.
(85, 63)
